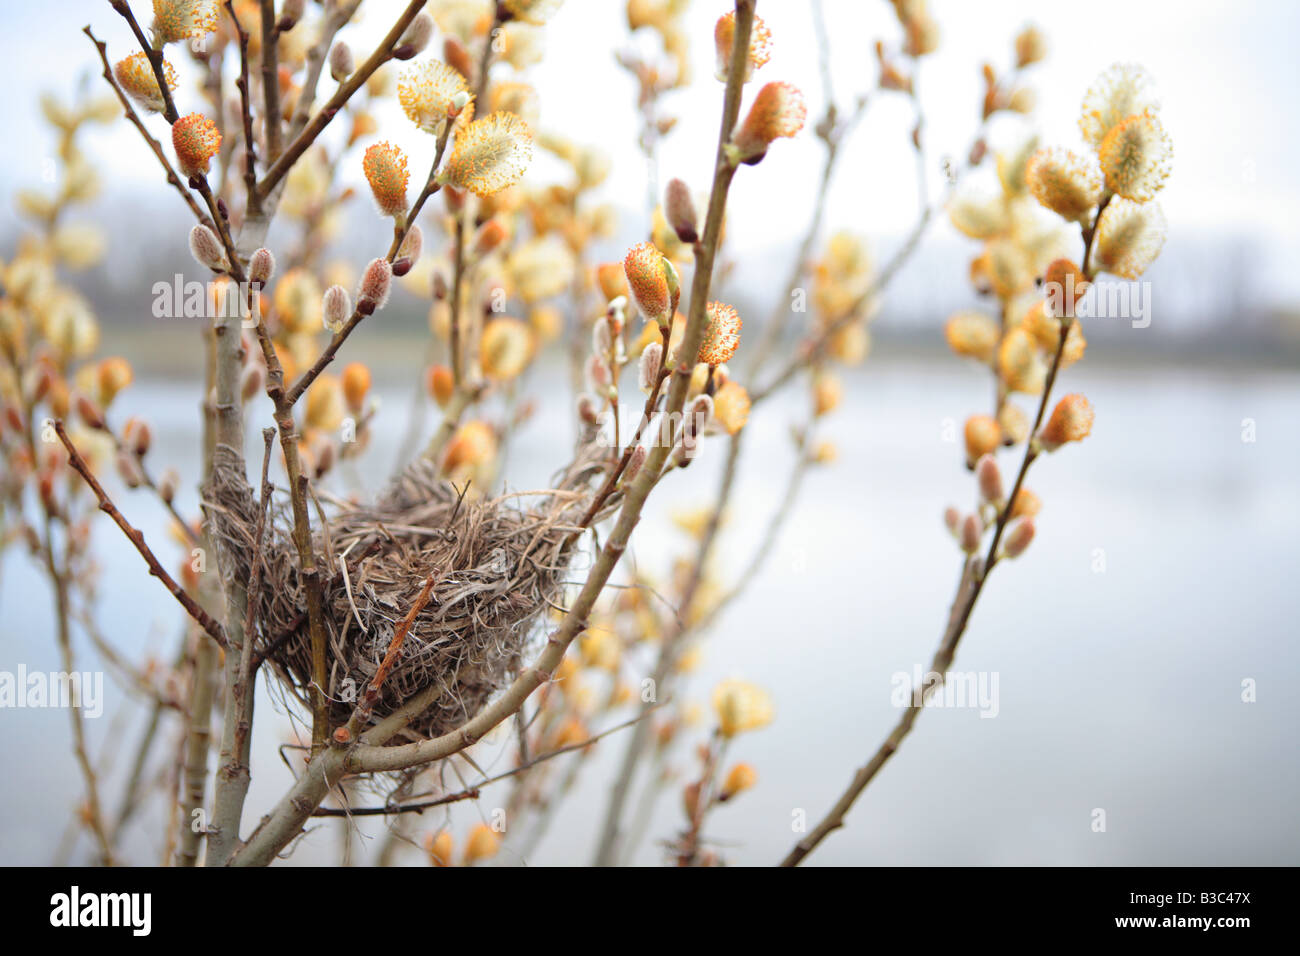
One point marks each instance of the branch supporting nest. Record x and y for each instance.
(477, 574)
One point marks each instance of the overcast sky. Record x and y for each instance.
(1226, 71)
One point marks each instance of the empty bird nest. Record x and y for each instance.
(497, 565)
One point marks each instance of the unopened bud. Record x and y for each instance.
(206, 249)
(341, 61)
(1018, 538)
(376, 283)
(261, 266)
(952, 520)
(137, 436)
(336, 308)
(419, 33)
(167, 486)
(438, 285)
(983, 435)
(679, 208)
(441, 384)
(648, 370)
(456, 56)
(324, 459)
(490, 236)
(412, 245)
(290, 13)
(401, 266)
(89, 412)
(129, 471)
(990, 480)
(454, 198)
(697, 419)
(971, 532)
(251, 382)
(740, 778)
(1014, 424)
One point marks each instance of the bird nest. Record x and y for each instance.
(497, 567)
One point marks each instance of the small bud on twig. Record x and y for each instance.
(679, 208)
(206, 249)
(261, 266)
(336, 308)
(990, 480)
(341, 61)
(648, 369)
(376, 283)
(1018, 538)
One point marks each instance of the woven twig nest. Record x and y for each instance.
(497, 568)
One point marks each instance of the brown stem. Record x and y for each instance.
(361, 715)
(431, 186)
(382, 54)
(173, 179)
(974, 575)
(270, 81)
(246, 112)
(204, 620)
(155, 57)
(286, 819)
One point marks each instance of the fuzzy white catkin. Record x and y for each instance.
(697, 419)
(336, 307)
(376, 282)
(648, 369)
(1018, 538)
(990, 479)
(261, 266)
(412, 245)
(206, 249)
(419, 33)
(341, 62)
(679, 209)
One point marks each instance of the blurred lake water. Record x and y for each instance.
(1163, 576)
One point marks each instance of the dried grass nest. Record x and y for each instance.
(497, 566)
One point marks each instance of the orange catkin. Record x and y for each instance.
(196, 140)
(385, 168)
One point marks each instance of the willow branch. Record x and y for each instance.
(326, 769)
(472, 792)
(201, 617)
(400, 231)
(173, 179)
(381, 55)
(271, 81)
(974, 575)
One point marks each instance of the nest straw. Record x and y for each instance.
(497, 568)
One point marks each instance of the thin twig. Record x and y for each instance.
(173, 179)
(201, 617)
(325, 770)
(974, 575)
(472, 792)
(381, 55)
